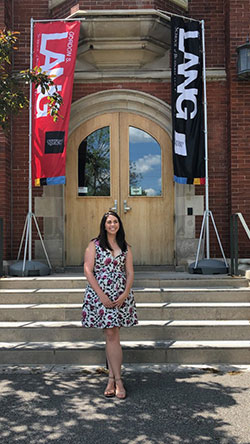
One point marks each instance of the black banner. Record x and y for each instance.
(187, 106)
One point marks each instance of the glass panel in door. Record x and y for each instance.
(94, 164)
(144, 164)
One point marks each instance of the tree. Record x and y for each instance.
(12, 96)
(94, 163)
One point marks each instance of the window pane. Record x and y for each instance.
(94, 164)
(144, 164)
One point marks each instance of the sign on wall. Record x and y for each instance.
(55, 48)
(187, 105)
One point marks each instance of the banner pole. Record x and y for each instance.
(35, 267)
(30, 144)
(206, 141)
(211, 264)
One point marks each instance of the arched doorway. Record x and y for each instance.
(120, 160)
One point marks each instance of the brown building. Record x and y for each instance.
(122, 93)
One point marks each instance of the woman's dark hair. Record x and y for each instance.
(120, 235)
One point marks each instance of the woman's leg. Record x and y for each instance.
(110, 389)
(114, 357)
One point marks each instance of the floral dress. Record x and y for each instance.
(110, 274)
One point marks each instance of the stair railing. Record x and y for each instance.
(234, 240)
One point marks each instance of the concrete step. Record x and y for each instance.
(222, 282)
(40, 321)
(75, 295)
(146, 330)
(241, 294)
(93, 353)
(146, 311)
(35, 283)
(153, 280)
(194, 311)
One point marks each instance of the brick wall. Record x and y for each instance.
(24, 9)
(227, 25)
(158, 89)
(5, 154)
(20, 174)
(213, 14)
(63, 10)
(239, 122)
(5, 190)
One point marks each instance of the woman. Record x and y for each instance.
(109, 302)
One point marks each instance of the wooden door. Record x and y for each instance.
(83, 213)
(140, 186)
(149, 223)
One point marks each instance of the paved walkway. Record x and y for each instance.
(164, 406)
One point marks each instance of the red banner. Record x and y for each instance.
(55, 48)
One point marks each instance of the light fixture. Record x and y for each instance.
(243, 61)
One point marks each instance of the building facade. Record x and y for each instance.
(122, 103)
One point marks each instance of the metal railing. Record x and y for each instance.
(234, 240)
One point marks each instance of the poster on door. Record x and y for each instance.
(55, 48)
(187, 102)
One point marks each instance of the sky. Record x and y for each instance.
(145, 153)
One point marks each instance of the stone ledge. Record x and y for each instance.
(54, 3)
(182, 3)
(213, 75)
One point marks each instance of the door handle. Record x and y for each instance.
(125, 207)
(115, 207)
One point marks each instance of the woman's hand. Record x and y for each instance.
(106, 301)
(120, 301)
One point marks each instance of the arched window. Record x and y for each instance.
(94, 164)
(144, 164)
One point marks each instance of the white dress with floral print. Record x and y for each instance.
(110, 274)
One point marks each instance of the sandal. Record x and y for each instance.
(110, 393)
(122, 394)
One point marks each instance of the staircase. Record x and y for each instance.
(184, 319)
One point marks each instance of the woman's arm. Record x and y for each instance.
(89, 262)
(129, 278)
